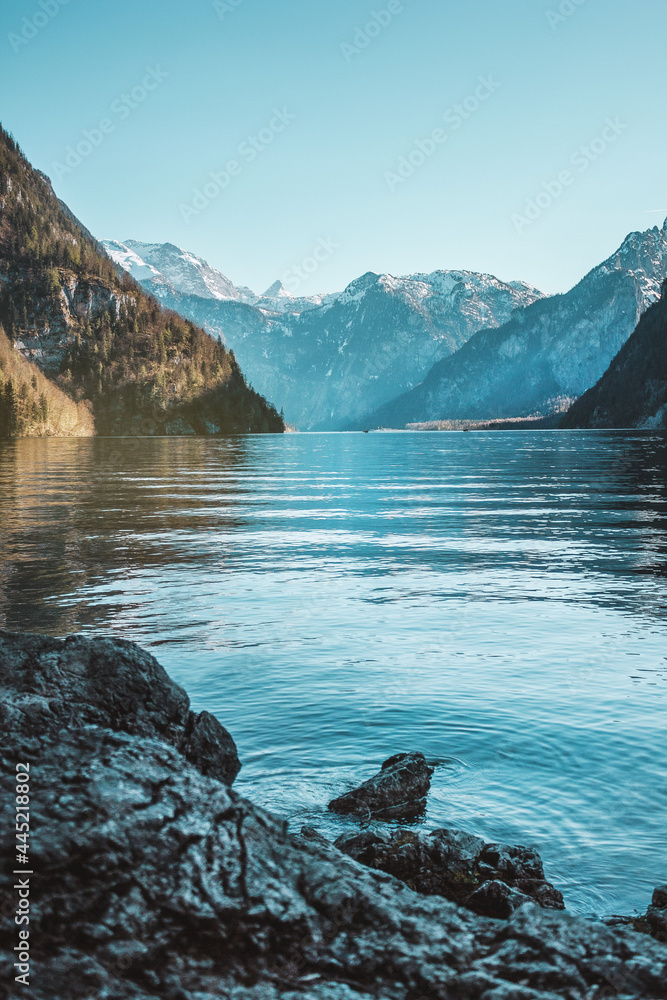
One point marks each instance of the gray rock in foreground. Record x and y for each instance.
(491, 879)
(153, 880)
(397, 791)
(46, 683)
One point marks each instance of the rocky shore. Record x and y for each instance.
(493, 880)
(154, 879)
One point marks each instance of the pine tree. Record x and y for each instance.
(9, 417)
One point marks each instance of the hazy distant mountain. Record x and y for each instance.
(278, 299)
(327, 366)
(166, 269)
(547, 354)
(328, 359)
(633, 390)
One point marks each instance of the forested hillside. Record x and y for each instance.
(32, 404)
(97, 337)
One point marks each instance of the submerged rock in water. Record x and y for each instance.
(492, 879)
(155, 881)
(653, 922)
(397, 791)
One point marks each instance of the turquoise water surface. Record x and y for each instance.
(496, 600)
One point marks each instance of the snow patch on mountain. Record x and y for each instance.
(328, 358)
(553, 349)
(131, 262)
(165, 267)
(188, 273)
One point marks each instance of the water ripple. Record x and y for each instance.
(497, 600)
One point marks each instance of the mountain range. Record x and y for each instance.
(328, 359)
(127, 338)
(165, 269)
(395, 351)
(84, 349)
(547, 354)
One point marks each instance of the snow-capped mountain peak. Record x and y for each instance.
(188, 273)
(544, 355)
(329, 358)
(277, 290)
(130, 261)
(452, 287)
(164, 268)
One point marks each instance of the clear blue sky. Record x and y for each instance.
(355, 114)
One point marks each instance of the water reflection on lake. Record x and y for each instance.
(497, 600)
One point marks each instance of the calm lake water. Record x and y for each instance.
(496, 600)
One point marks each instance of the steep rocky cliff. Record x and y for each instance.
(97, 336)
(633, 390)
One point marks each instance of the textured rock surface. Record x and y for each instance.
(397, 791)
(156, 881)
(110, 683)
(633, 390)
(492, 879)
(653, 922)
(497, 899)
(656, 915)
